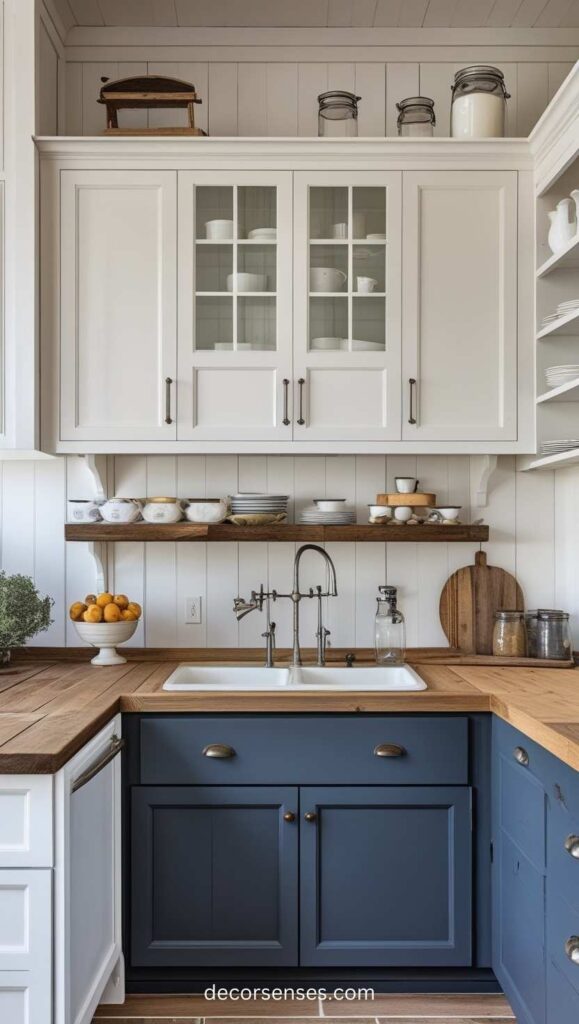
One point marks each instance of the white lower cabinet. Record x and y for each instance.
(60, 902)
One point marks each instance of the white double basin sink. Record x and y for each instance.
(296, 678)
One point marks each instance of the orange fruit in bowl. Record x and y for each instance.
(128, 616)
(94, 613)
(104, 599)
(121, 601)
(77, 610)
(135, 608)
(112, 613)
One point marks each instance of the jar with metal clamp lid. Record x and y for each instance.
(390, 629)
(509, 635)
(338, 114)
(416, 117)
(479, 103)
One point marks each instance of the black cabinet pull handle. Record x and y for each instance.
(389, 750)
(301, 419)
(220, 750)
(412, 385)
(168, 382)
(520, 755)
(286, 420)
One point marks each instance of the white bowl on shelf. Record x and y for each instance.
(220, 230)
(327, 279)
(106, 636)
(263, 233)
(247, 282)
(328, 344)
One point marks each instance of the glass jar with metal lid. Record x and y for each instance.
(338, 114)
(479, 103)
(509, 634)
(416, 117)
(549, 634)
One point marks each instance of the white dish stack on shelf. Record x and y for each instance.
(328, 512)
(563, 309)
(254, 503)
(556, 376)
(559, 446)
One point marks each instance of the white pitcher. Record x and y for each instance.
(563, 225)
(575, 198)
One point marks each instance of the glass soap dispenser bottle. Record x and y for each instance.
(390, 629)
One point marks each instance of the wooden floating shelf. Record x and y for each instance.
(283, 532)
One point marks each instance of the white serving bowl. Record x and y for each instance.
(448, 512)
(380, 511)
(264, 233)
(219, 229)
(247, 282)
(328, 344)
(199, 511)
(330, 504)
(327, 279)
(106, 635)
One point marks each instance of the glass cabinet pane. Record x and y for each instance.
(368, 324)
(369, 212)
(236, 257)
(328, 212)
(368, 269)
(329, 324)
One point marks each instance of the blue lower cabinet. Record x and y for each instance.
(386, 876)
(562, 998)
(214, 876)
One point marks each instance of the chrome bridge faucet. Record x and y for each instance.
(261, 597)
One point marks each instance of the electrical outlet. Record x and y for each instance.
(192, 610)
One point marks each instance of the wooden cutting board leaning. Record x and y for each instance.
(469, 599)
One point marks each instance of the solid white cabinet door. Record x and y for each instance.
(118, 305)
(25, 998)
(347, 333)
(26, 946)
(235, 326)
(460, 306)
(87, 877)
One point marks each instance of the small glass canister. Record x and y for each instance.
(479, 103)
(416, 117)
(338, 114)
(549, 634)
(509, 635)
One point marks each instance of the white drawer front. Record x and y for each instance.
(26, 821)
(25, 998)
(25, 921)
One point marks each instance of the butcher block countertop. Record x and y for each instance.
(50, 709)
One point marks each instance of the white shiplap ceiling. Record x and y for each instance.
(524, 14)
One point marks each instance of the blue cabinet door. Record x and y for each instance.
(386, 876)
(214, 876)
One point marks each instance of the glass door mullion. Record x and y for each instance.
(350, 281)
(235, 254)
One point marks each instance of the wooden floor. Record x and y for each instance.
(393, 1009)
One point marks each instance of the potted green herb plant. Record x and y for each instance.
(23, 613)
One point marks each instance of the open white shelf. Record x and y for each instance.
(568, 392)
(558, 461)
(561, 326)
(567, 259)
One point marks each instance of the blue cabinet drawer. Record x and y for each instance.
(299, 749)
(562, 999)
(563, 853)
(562, 928)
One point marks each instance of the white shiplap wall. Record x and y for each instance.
(279, 97)
(532, 519)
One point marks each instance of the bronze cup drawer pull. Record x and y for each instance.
(520, 755)
(572, 846)
(220, 750)
(389, 750)
(572, 949)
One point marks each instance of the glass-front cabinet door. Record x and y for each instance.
(347, 325)
(235, 329)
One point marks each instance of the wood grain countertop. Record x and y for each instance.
(49, 710)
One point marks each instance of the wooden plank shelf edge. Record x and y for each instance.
(284, 532)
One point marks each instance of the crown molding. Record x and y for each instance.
(554, 141)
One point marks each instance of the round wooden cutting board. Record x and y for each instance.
(469, 599)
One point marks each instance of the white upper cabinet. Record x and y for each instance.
(118, 298)
(235, 327)
(347, 256)
(460, 306)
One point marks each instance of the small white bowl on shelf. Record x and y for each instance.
(106, 636)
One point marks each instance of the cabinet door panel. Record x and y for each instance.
(235, 327)
(214, 876)
(118, 304)
(460, 305)
(520, 943)
(347, 273)
(386, 876)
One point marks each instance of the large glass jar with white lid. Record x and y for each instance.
(390, 629)
(479, 103)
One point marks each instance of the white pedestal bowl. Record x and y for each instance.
(106, 636)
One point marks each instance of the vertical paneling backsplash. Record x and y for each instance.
(532, 519)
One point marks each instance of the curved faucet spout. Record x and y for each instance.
(332, 586)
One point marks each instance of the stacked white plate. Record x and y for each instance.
(314, 516)
(266, 234)
(250, 503)
(557, 447)
(563, 309)
(555, 376)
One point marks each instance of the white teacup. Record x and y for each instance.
(406, 484)
(366, 284)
